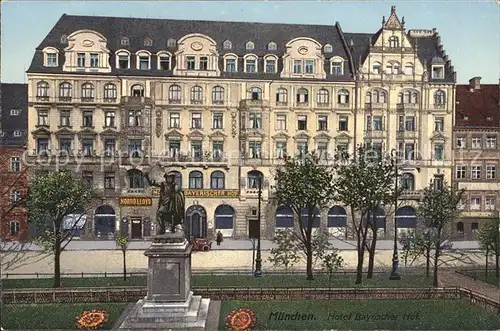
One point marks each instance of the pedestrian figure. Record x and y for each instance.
(219, 238)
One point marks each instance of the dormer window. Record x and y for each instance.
(190, 62)
(64, 39)
(250, 46)
(137, 90)
(337, 66)
(251, 64)
(94, 60)
(271, 64)
(15, 112)
(437, 72)
(143, 60)
(303, 66)
(51, 57)
(164, 61)
(227, 45)
(272, 46)
(171, 43)
(124, 41)
(148, 42)
(203, 63)
(230, 63)
(328, 48)
(393, 42)
(123, 60)
(80, 60)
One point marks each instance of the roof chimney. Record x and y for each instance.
(475, 83)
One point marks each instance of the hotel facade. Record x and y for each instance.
(220, 103)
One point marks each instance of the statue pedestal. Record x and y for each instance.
(169, 303)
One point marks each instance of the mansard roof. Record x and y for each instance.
(475, 106)
(13, 96)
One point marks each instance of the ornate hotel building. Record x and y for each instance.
(219, 103)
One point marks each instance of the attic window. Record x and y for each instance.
(488, 118)
(328, 48)
(148, 42)
(437, 72)
(15, 112)
(227, 44)
(272, 46)
(250, 46)
(17, 133)
(124, 41)
(64, 39)
(466, 118)
(171, 42)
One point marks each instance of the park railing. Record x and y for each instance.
(132, 294)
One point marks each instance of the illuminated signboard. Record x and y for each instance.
(136, 201)
(204, 193)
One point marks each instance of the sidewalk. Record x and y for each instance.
(453, 279)
(227, 244)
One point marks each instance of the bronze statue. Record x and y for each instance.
(171, 205)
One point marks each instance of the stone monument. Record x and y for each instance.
(169, 303)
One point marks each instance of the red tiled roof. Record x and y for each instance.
(477, 106)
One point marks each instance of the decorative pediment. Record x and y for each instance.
(393, 22)
(109, 132)
(343, 137)
(302, 136)
(438, 136)
(64, 132)
(174, 134)
(195, 134)
(217, 134)
(322, 136)
(281, 136)
(42, 131)
(254, 133)
(87, 132)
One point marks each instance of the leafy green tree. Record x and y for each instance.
(52, 198)
(489, 240)
(122, 243)
(286, 253)
(364, 183)
(304, 183)
(332, 262)
(437, 211)
(418, 244)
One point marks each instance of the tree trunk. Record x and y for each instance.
(436, 259)
(361, 255)
(427, 261)
(309, 261)
(487, 258)
(124, 266)
(57, 260)
(497, 264)
(371, 255)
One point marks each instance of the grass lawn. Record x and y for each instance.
(379, 280)
(482, 276)
(351, 315)
(51, 317)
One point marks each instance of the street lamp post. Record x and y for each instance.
(395, 256)
(258, 259)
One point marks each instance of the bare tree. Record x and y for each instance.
(489, 240)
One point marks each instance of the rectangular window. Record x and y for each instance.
(475, 203)
(461, 142)
(109, 119)
(309, 66)
(280, 149)
(196, 121)
(438, 152)
(64, 118)
(409, 151)
(87, 178)
(280, 122)
(15, 228)
(134, 147)
(460, 171)
(196, 151)
(134, 118)
(271, 66)
(218, 121)
(437, 72)
(143, 62)
(94, 60)
(109, 147)
(476, 172)
(297, 66)
(491, 142)
(42, 146)
(190, 63)
(322, 149)
(230, 65)
(164, 62)
(203, 63)
(490, 203)
(302, 148)
(15, 164)
(109, 180)
(378, 123)
(254, 148)
(65, 145)
(52, 60)
(302, 122)
(323, 123)
(88, 146)
(343, 123)
(175, 121)
(174, 147)
(255, 120)
(336, 68)
(87, 119)
(80, 60)
(439, 124)
(410, 123)
(251, 65)
(43, 117)
(491, 171)
(476, 142)
(217, 149)
(123, 62)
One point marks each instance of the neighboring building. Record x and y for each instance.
(219, 103)
(477, 154)
(13, 175)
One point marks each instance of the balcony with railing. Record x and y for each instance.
(136, 101)
(377, 134)
(254, 103)
(375, 106)
(406, 134)
(407, 106)
(186, 160)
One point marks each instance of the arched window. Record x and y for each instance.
(406, 217)
(272, 46)
(148, 42)
(217, 95)
(217, 180)
(316, 217)
(42, 89)
(284, 217)
(323, 96)
(393, 42)
(135, 179)
(178, 177)
(250, 46)
(196, 94)
(254, 177)
(328, 48)
(227, 45)
(343, 97)
(137, 90)
(378, 96)
(302, 95)
(281, 95)
(195, 180)
(396, 68)
(110, 91)
(368, 97)
(104, 220)
(124, 41)
(408, 182)
(174, 94)
(408, 97)
(224, 218)
(65, 90)
(337, 217)
(171, 43)
(377, 68)
(87, 91)
(255, 93)
(439, 97)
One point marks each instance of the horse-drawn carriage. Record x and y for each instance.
(201, 244)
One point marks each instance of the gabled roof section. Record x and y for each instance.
(474, 106)
(393, 22)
